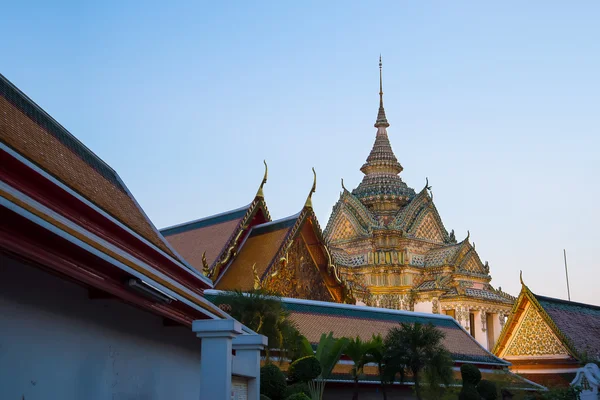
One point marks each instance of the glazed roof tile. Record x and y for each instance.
(315, 318)
(579, 322)
(340, 257)
(34, 134)
(487, 294)
(209, 234)
(438, 257)
(260, 248)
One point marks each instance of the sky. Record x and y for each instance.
(497, 103)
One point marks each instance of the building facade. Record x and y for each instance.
(392, 248)
(95, 304)
(547, 340)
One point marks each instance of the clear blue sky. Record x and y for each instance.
(498, 103)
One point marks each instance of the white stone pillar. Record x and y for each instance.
(480, 334)
(247, 361)
(497, 318)
(216, 357)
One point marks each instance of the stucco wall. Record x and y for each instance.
(424, 306)
(56, 343)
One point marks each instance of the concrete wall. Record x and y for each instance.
(424, 307)
(55, 343)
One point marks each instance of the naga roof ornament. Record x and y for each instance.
(312, 190)
(262, 184)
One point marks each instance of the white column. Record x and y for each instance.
(497, 326)
(480, 334)
(216, 357)
(247, 361)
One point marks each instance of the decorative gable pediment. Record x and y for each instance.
(343, 229)
(472, 264)
(349, 219)
(421, 219)
(534, 337)
(429, 229)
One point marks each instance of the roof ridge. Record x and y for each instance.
(203, 219)
(572, 303)
(55, 128)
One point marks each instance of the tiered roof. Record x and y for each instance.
(382, 180)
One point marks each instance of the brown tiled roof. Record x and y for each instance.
(579, 323)
(551, 380)
(260, 248)
(315, 318)
(209, 234)
(31, 132)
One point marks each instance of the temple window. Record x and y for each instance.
(472, 324)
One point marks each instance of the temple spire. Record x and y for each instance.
(381, 119)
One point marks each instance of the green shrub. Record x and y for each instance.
(263, 397)
(470, 378)
(470, 374)
(300, 387)
(469, 392)
(304, 369)
(272, 382)
(487, 390)
(298, 396)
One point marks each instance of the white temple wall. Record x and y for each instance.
(56, 343)
(424, 307)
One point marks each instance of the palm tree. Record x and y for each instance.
(357, 351)
(417, 349)
(376, 354)
(329, 351)
(262, 312)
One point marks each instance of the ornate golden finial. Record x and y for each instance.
(205, 267)
(257, 284)
(521, 277)
(343, 187)
(260, 188)
(427, 184)
(312, 190)
(381, 119)
(468, 235)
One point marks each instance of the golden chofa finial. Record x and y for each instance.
(343, 187)
(521, 278)
(468, 236)
(205, 267)
(312, 190)
(262, 184)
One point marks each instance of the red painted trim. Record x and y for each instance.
(36, 186)
(22, 238)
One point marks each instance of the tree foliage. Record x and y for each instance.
(487, 390)
(329, 351)
(470, 378)
(263, 312)
(298, 396)
(357, 351)
(304, 369)
(272, 382)
(298, 387)
(417, 349)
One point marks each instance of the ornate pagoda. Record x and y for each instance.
(390, 244)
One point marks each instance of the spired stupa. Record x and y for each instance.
(391, 247)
